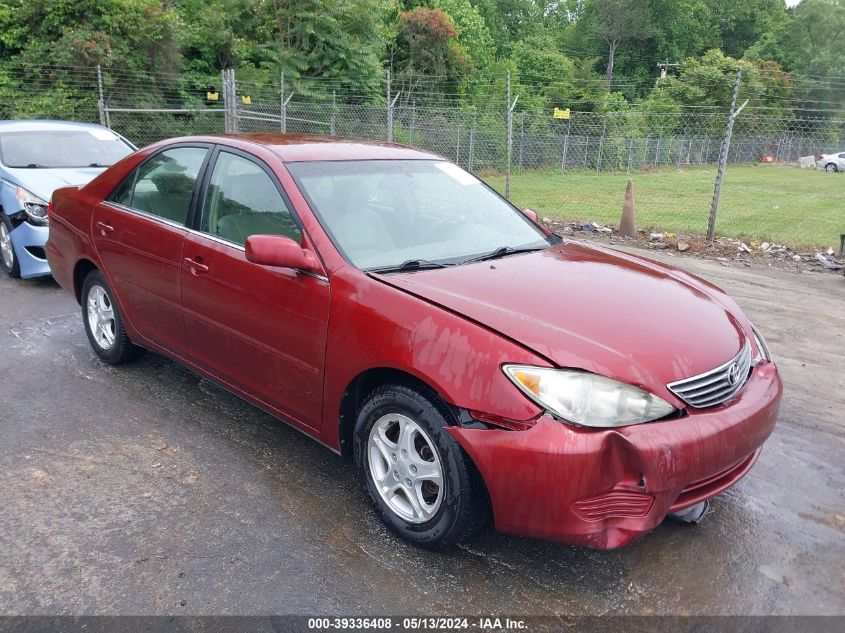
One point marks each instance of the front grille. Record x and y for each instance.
(716, 386)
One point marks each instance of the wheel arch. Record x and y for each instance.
(81, 270)
(364, 384)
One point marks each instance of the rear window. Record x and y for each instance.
(62, 149)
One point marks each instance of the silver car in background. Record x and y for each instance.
(831, 162)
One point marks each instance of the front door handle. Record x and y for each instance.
(105, 229)
(197, 267)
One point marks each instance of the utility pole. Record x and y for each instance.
(510, 107)
(723, 157)
(664, 68)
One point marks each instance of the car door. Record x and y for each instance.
(842, 161)
(139, 232)
(258, 328)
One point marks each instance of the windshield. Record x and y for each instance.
(383, 213)
(91, 147)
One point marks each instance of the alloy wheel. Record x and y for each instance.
(405, 467)
(101, 317)
(6, 248)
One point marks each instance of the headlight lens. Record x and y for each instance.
(761, 344)
(33, 206)
(587, 399)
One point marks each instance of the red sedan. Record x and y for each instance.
(392, 306)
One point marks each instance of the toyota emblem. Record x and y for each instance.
(733, 374)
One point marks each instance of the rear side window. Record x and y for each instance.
(243, 200)
(163, 186)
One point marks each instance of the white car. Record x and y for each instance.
(832, 162)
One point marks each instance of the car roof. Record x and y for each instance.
(45, 126)
(298, 148)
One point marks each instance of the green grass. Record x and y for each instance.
(784, 205)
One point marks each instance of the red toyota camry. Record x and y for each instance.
(392, 306)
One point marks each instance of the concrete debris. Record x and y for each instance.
(683, 246)
(807, 162)
(655, 237)
(797, 258)
(764, 246)
(744, 248)
(828, 263)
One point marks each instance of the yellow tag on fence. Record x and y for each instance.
(246, 100)
(212, 96)
(561, 114)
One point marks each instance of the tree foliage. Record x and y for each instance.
(585, 54)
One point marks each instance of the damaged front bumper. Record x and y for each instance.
(604, 488)
(28, 241)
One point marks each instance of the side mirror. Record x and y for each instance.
(531, 214)
(280, 252)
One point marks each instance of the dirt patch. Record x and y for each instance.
(725, 250)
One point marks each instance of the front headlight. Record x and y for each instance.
(587, 399)
(33, 206)
(761, 345)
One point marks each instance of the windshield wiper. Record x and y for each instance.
(502, 251)
(411, 264)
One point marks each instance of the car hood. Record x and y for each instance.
(592, 308)
(43, 182)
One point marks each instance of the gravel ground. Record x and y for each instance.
(147, 490)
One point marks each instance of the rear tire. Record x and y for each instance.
(7, 250)
(104, 323)
(831, 167)
(422, 483)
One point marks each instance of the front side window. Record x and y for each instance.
(385, 213)
(243, 200)
(163, 186)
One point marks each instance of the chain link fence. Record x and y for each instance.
(146, 108)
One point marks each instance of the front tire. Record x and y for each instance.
(423, 485)
(7, 249)
(104, 323)
(831, 167)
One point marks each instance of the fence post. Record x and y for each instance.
(657, 150)
(412, 123)
(472, 141)
(283, 105)
(521, 137)
(389, 112)
(333, 117)
(101, 103)
(601, 145)
(233, 88)
(566, 144)
(630, 149)
(224, 78)
(723, 157)
(458, 142)
(510, 137)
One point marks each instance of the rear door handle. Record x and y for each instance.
(105, 229)
(195, 266)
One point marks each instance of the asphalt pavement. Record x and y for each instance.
(148, 490)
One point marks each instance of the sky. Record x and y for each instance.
(792, 3)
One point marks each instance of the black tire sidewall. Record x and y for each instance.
(831, 167)
(116, 353)
(408, 402)
(15, 271)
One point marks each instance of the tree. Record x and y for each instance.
(428, 50)
(615, 21)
